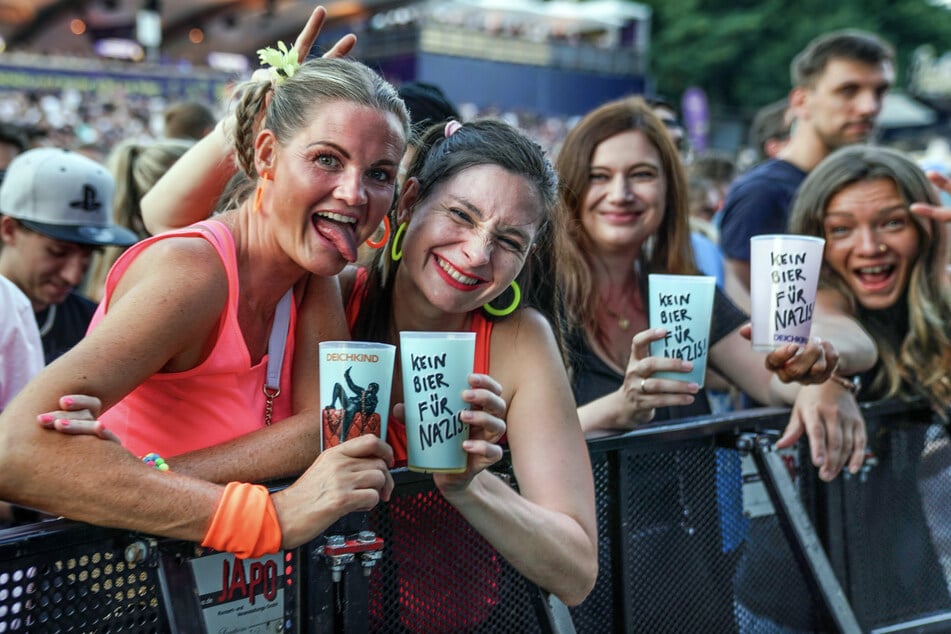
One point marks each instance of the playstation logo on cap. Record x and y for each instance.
(63, 195)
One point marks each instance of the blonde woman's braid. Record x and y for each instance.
(249, 107)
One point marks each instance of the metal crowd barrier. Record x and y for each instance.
(702, 528)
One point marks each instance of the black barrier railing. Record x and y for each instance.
(701, 529)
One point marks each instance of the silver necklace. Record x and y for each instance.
(50, 318)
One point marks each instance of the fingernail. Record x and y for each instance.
(468, 394)
(46, 418)
(62, 422)
(687, 365)
(67, 401)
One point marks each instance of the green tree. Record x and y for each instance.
(739, 51)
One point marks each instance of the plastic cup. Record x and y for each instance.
(683, 304)
(356, 378)
(784, 275)
(435, 369)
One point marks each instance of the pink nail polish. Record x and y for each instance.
(46, 418)
(63, 422)
(67, 401)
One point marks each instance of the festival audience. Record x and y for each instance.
(623, 183)
(624, 202)
(475, 225)
(476, 228)
(55, 209)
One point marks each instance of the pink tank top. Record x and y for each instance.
(220, 399)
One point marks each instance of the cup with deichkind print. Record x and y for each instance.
(356, 379)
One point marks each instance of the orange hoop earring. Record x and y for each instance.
(259, 193)
(386, 235)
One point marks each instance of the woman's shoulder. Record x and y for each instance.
(524, 337)
(186, 259)
(523, 322)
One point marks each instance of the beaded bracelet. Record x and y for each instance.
(154, 460)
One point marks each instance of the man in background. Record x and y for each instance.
(839, 84)
(55, 210)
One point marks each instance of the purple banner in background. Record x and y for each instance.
(696, 114)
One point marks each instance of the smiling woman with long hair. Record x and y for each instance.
(885, 264)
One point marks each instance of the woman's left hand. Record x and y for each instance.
(486, 420)
(78, 416)
(831, 419)
(810, 364)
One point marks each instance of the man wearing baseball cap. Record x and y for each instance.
(55, 211)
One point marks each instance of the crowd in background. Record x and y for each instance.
(627, 158)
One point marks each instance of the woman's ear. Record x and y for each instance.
(408, 199)
(265, 152)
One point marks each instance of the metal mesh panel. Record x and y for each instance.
(896, 529)
(439, 575)
(676, 570)
(772, 594)
(77, 588)
(771, 590)
(597, 613)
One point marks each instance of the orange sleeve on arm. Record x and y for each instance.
(245, 522)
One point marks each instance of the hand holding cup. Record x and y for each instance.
(650, 381)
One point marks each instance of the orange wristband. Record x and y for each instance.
(245, 522)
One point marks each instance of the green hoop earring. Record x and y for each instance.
(396, 255)
(508, 310)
